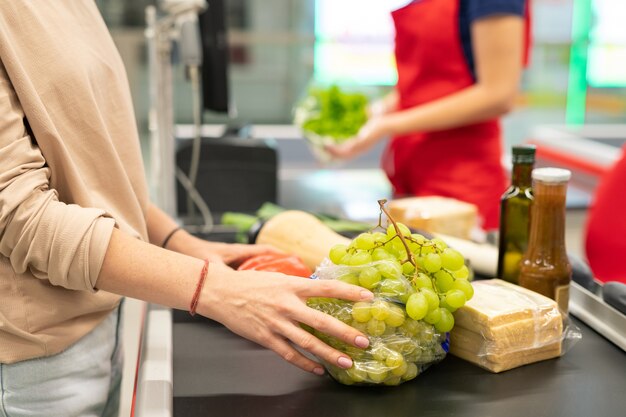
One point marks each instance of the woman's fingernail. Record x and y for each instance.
(361, 341)
(344, 362)
(367, 295)
(318, 371)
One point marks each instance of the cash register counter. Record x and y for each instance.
(194, 367)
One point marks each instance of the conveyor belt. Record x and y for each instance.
(217, 373)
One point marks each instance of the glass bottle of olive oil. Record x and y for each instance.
(515, 214)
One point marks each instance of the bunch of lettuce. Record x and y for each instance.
(332, 113)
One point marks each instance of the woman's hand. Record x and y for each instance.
(371, 132)
(268, 308)
(232, 254)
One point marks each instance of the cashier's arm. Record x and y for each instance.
(497, 43)
(264, 307)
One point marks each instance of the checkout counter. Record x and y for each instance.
(191, 366)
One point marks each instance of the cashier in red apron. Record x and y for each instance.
(459, 64)
(605, 231)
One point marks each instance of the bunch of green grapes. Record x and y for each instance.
(418, 283)
(400, 347)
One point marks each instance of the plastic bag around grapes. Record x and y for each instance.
(400, 347)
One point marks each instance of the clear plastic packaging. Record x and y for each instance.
(505, 326)
(400, 347)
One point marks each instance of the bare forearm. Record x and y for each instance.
(471, 105)
(137, 269)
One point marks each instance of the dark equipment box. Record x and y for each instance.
(234, 174)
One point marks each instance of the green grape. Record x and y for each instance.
(337, 253)
(376, 327)
(417, 306)
(443, 281)
(427, 248)
(355, 353)
(364, 241)
(369, 277)
(380, 310)
(389, 330)
(418, 239)
(443, 303)
(451, 259)
(461, 273)
(465, 286)
(422, 281)
(408, 268)
(389, 269)
(446, 323)
(361, 312)
(343, 377)
(349, 278)
(392, 381)
(391, 231)
(433, 316)
(380, 254)
(360, 326)
(356, 374)
(377, 373)
(404, 297)
(346, 259)
(455, 298)
(440, 244)
(395, 317)
(380, 352)
(394, 359)
(379, 237)
(395, 246)
(431, 298)
(410, 327)
(432, 262)
(392, 287)
(419, 261)
(411, 372)
(360, 258)
(401, 255)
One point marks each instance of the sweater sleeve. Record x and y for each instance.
(63, 243)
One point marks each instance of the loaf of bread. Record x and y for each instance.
(436, 215)
(505, 326)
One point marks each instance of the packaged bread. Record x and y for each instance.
(505, 326)
(436, 215)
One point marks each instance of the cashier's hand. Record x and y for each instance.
(268, 307)
(371, 133)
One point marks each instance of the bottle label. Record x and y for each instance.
(562, 298)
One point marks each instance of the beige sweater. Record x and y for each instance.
(70, 171)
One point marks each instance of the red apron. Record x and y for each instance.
(465, 162)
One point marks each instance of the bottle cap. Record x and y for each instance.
(552, 175)
(524, 154)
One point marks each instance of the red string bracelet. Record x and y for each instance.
(196, 295)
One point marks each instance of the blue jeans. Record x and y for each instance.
(83, 380)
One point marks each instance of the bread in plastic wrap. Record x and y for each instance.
(436, 215)
(505, 326)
